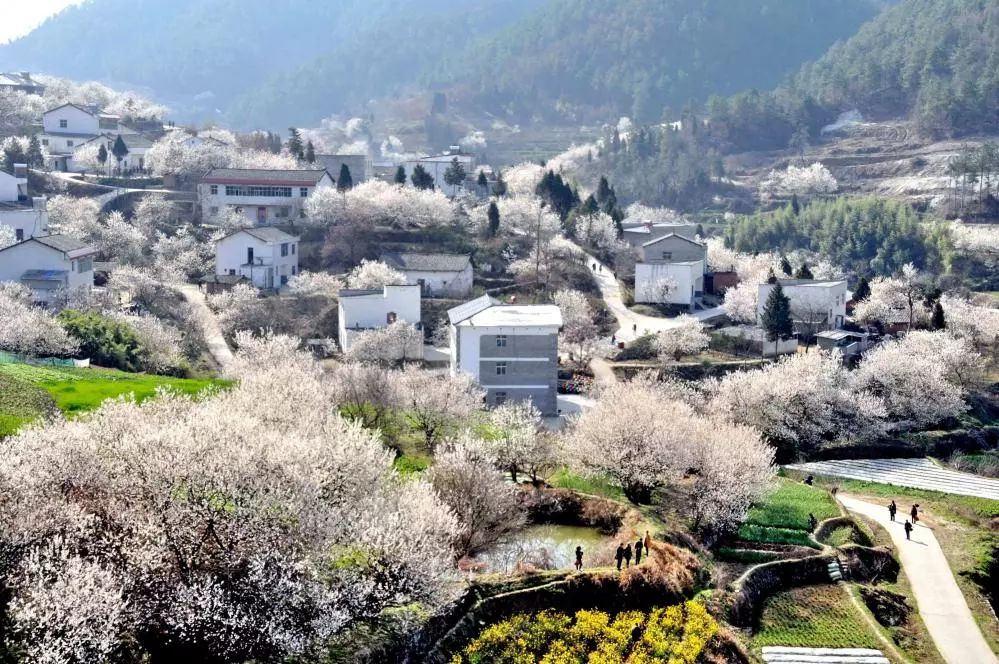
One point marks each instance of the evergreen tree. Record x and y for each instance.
(102, 156)
(771, 277)
(35, 158)
(13, 154)
(776, 317)
(937, 319)
(295, 147)
(803, 272)
(421, 178)
(400, 175)
(862, 291)
(699, 231)
(795, 205)
(499, 187)
(119, 150)
(785, 265)
(493, 215)
(482, 181)
(310, 152)
(603, 190)
(344, 182)
(455, 174)
(589, 206)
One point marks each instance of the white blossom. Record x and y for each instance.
(28, 330)
(374, 275)
(798, 180)
(309, 284)
(686, 337)
(397, 342)
(435, 403)
(519, 444)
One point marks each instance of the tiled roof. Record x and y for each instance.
(821, 283)
(265, 234)
(664, 237)
(263, 176)
(63, 243)
(426, 262)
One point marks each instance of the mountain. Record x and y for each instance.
(273, 64)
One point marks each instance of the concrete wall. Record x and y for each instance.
(270, 269)
(29, 221)
(276, 209)
(443, 284)
(77, 121)
(16, 260)
(689, 279)
(372, 311)
(8, 187)
(436, 166)
(677, 249)
(811, 302)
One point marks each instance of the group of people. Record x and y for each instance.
(624, 553)
(913, 515)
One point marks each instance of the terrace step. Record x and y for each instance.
(788, 655)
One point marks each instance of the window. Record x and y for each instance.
(293, 249)
(85, 265)
(19, 234)
(284, 248)
(667, 255)
(303, 191)
(500, 398)
(501, 341)
(45, 142)
(244, 190)
(232, 272)
(501, 368)
(63, 124)
(69, 143)
(284, 279)
(249, 255)
(214, 190)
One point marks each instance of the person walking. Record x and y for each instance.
(619, 556)
(812, 523)
(634, 328)
(892, 510)
(594, 267)
(914, 513)
(810, 480)
(908, 529)
(579, 558)
(627, 556)
(613, 339)
(648, 543)
(638, 551)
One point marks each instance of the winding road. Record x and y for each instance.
(941, 604)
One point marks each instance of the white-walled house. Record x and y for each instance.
(267, 257)
(137, 144)
(673, 247)
(48, 264)
(437, 165)
(14, 186)
(675, 257)
(510, 350)
(66, 127)
(439, 275)
(639, 234)
(361, 310)
(264, 196)
(815, 304)
(28, 217)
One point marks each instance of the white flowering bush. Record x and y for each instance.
(374, 274)
(686, 337)
(28, 330)
(397, 342)
(802, 181)
(377, 202)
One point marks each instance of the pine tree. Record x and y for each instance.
(589, 206)
(499, 187)
(785, 265)
(482, 181)
(455, 174)
(344, 182)
(35, 158)
(493, 215)
(937, 320)
(310, 152)
(295, 147)
(400, 175)
(119, 150)
(13, 154)
(795, 205)
(862, 291)
(421, 178)
(603, 190)
(102, 155)
(776, 317)
(803, 272)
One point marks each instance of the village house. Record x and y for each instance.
(27, 216)
(850, 344)
(438, 275)
(437, 165)
(20, 81)
(639, 234)
(66, 127)
(671, 271)
(357, 164)
(266, 257)
(48, 264)
(361, 310)
(263, 196)
(137, 144)
(815, 304)
(510, 350)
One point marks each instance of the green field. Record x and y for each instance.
(28, 392)
(813, 617)
(782, 518)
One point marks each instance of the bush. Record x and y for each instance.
(641, 348)
(107, 342)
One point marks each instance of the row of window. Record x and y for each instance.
(254, 190)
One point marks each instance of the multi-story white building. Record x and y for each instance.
(137, 144)
(27, 216)
(264, 197)
(437, 165)
(815, 305)
(439, 275)
(48, 264)
(510, 350)
(671, 271)
(267, 257)
(639, 234)
(66, 127)
(20, 81)
(362, 310)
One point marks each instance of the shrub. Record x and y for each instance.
(106, 341)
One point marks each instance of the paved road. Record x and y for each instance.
(110, 192)
(634, 325)
(941, 604)
(913, 473)
(784, 655)
(217, 346)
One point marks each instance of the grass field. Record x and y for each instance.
(814, 617)
(595, 486)
(28, 392)
(783, 517)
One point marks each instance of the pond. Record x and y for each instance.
(543, 547)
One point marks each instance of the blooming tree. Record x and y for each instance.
(519, 444)
(377, 202)
(28, 330)
(598, 231)
(976, 238)
(7, 236)
(435, 403)
(397, 342)
(979, 324)
(160, 342)
(308, 284)
(465, 479)
(895, 297)
(579, 332)
(365, 392)
(76, 217)
(797, 180)
(374, 275)
(687, 337)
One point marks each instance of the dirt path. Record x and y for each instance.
(941, 604)
(217, 345)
